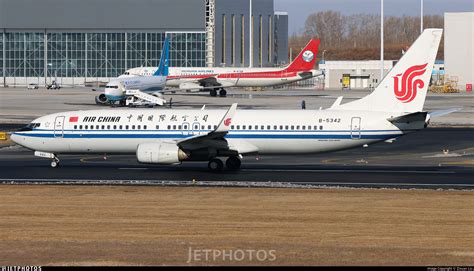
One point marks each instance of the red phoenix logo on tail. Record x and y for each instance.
(409, 84)
(227, 121)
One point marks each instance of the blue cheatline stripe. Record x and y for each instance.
(247, 136)
(235, 131)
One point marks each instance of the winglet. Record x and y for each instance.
(224, 125)
(337, 102)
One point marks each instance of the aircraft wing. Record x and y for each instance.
(214, 139)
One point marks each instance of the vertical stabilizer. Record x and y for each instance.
(163, 67)
(404, 88)
(306, 59)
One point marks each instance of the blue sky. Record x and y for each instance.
(298, 10)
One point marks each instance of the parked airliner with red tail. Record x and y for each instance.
(171, 136)
(214, 79)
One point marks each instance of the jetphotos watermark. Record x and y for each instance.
(230, 255)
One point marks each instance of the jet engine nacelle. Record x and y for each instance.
(101, 99)
(166, 153)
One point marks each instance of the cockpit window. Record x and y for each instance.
(111, 86)
(127, 73)
(30, 127)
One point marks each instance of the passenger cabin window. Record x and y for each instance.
(75, 127)
(126, 127)
(144, 127)
(80, 127)
(232, 127)
(138, 127)
(133, 127)
(157, 127)
(115, 127)
(286, 127)
(103, 127)
(169, 127)
(120, 127)
(97, 127)
(320, 127)
(244, 127)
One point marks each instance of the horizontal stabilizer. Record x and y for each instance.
(439, 113)
(412, 117)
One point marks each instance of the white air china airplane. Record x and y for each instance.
(169, 136)
(116, 89)
(213, 79)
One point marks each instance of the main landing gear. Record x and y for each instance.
(222, 92)
(232, 163)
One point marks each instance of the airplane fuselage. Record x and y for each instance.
(235, 77)
(273, 132)
(114, 91)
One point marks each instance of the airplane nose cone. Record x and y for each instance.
(15, 138)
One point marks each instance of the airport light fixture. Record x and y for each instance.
(381, 41)
(421, 17)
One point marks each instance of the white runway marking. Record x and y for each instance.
(134, 168)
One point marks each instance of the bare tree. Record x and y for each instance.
(358, 36)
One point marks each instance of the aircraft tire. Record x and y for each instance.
(54, 164)
(213, 93)
(222, 92)
(233, 163)
(215, 165)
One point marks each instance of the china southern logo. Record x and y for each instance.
(308, 56)
(409, 84)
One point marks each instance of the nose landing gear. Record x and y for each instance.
(55, 162)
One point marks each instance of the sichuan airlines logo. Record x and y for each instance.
(308, 56)
(407, 88)
(227, 121)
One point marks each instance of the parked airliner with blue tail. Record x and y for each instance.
(170, 136)
(149, 86)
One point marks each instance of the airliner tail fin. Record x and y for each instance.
(404, 88)
(307, 57)
(163, 67)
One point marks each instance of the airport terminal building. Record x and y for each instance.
(85, 42)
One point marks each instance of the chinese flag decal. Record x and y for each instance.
(73, 119)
